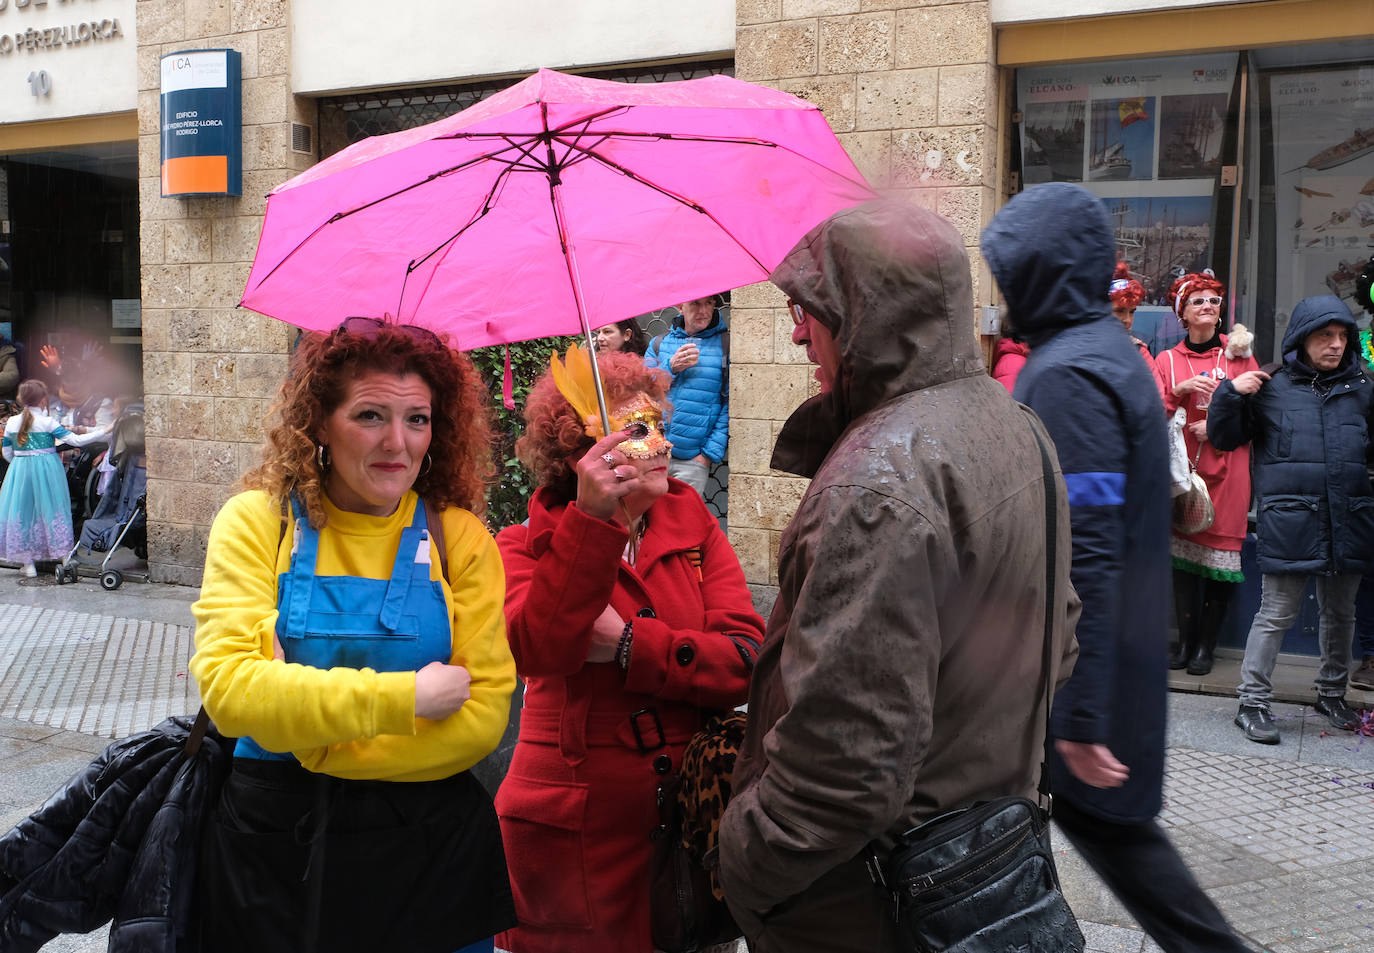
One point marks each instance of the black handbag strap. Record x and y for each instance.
(1051, 570)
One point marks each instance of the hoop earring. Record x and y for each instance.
(322, 456)
(426, 466)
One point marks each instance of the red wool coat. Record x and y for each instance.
(1227, 474)
(578, 804)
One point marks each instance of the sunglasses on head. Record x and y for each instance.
(368, 327)
(1199, 302)
(798, 315)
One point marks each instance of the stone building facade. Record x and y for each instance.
(910, 88)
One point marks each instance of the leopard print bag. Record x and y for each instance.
(687, 909)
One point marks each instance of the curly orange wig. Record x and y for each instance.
(321, 371)
(1125, 291)
(554, 438)
(1188, 285)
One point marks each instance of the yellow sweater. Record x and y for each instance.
(345, 722)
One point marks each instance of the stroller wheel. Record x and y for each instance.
(69, 573)
(60, 573)
(111, 579)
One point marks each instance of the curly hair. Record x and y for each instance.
(321, 370)
(1191, 284)
(555, 439)
(1125, 291)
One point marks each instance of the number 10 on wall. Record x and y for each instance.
(40, 83)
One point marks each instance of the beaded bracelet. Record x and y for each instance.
(626, 644)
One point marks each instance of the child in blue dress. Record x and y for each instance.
(35, 506)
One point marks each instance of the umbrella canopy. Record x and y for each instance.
(559, 204)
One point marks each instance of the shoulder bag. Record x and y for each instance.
(982, 879)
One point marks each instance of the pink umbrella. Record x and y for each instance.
(552, 207)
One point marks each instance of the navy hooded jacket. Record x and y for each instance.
(1052, 252)
(1309, 435)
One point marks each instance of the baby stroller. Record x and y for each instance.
(121, 516)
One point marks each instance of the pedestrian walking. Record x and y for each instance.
(35, 504)
(1051, 250)
(1206, 563)
(912, 589)
(1309, 426)
(350, 634)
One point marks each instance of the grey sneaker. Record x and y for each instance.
(1337, 712)
(1363, 677)
(1258, 724)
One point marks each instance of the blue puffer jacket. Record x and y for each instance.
(701, 408)
(1309, 434)
(1052, 252)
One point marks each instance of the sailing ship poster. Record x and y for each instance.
(1161, 237)
(1122, 145)
(1190, 132)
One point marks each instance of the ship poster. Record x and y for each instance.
(1053, 136)
(1122, 144)
(1322, 143)
(1190, 133)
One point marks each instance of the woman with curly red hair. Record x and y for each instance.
(1207, 563)
(631, 623)
(1125, 294)
(350, 634)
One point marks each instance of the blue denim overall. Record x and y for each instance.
(389, 625)
(335, 621)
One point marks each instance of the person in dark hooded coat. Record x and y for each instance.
(900, 677)
(1309, 428)
(1052, 252)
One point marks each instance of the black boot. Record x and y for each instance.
(1218, 597)
(1187, 608)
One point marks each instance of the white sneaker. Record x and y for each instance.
(30, 570)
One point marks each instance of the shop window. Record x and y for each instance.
(1151, 138)
(1313, 193)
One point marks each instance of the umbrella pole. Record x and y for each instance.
(571, 259)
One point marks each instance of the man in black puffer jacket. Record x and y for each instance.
(1309, 429)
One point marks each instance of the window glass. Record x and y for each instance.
(1149, 137)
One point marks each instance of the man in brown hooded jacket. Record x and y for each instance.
(901, 673)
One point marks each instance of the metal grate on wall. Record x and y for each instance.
(345, 120)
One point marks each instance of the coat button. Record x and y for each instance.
(663, 764)
(685, 654)
(646, 613)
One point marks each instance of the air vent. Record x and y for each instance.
(300, 139)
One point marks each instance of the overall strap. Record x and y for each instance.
(302, 568)
(413, 549)
(1051, 603)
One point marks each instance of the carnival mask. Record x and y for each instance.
(641, 416)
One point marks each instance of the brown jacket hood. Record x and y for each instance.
(891, 282)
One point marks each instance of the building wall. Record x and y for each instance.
(209, 369)
(86, 49)
(911, 90)
(438, 40)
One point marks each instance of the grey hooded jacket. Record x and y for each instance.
(900, 675)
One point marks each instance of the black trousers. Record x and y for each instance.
(1148, 876)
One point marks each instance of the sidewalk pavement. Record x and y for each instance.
(1278, 835)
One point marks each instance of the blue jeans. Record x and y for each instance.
(1280, 600)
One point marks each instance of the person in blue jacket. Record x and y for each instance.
(1052, 252)
(1308, 426)
(696, 352)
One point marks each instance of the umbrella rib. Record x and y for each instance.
(450, 241)
(680, 199)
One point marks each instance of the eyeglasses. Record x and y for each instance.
(798, 315)
(368, 327)
(1199, 302)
